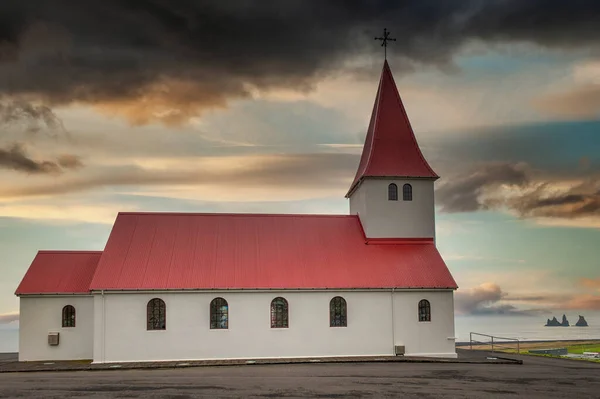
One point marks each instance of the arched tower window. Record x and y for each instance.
(279, 313)
(392, 192)
(68, 316)
(424, 310)
(219, 314)
(156, 314)
(338, 312)
(407, 192)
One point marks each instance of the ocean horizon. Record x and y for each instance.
(527, 328)
(524, 328)
(9, 338)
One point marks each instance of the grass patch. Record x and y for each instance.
(574, 349)
(579, 349)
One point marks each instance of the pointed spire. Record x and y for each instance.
(390, 149)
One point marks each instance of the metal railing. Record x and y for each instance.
(495, 342)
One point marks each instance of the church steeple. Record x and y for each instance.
(390, 148)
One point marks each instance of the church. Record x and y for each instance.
(199, 286)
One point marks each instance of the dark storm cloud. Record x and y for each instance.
(580, 201)
(536, 196)
(174, 58)
(463, 194)
(16, 158)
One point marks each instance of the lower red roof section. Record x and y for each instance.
(60, 272)
(174, 251)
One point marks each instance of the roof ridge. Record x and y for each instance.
(69, 251)
(239, 214)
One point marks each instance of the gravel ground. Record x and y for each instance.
(535, 378)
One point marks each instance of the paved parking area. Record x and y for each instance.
(9, 362)
(535, 378)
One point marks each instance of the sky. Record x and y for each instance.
(239, 106)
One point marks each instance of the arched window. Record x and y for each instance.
(392, 192)
(156, 316)
(424, 310)
(219, 314)
(407, 192)
(279, 313)
(337, 312)
(68, 316)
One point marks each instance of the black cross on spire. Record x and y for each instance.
(384, 41)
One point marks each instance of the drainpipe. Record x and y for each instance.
(393, 325)
(103, 328)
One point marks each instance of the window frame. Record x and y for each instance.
(69, 316)
(152, 306)
(424, 311)
(280, 318)
(335, 320)
(216, 314)
(392, 192)
(407, 192)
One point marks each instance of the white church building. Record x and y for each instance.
(197, 286)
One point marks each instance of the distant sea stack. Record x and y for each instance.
(556, 323)
(581, 322)
(553, 323)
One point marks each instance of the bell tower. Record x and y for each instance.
(392, 192)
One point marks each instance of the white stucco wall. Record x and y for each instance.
(382, 218)
(41, 315)
(188, 335)
(434, 338)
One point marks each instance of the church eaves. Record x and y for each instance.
(390, 149)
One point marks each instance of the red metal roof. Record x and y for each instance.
(391, 149)
(60, 272)
(148, 251)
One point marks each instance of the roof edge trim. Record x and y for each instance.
(316, 289)
(87, 293)
(400, 241)
(236, 214)
(67, 251)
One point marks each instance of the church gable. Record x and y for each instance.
(175, 251)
